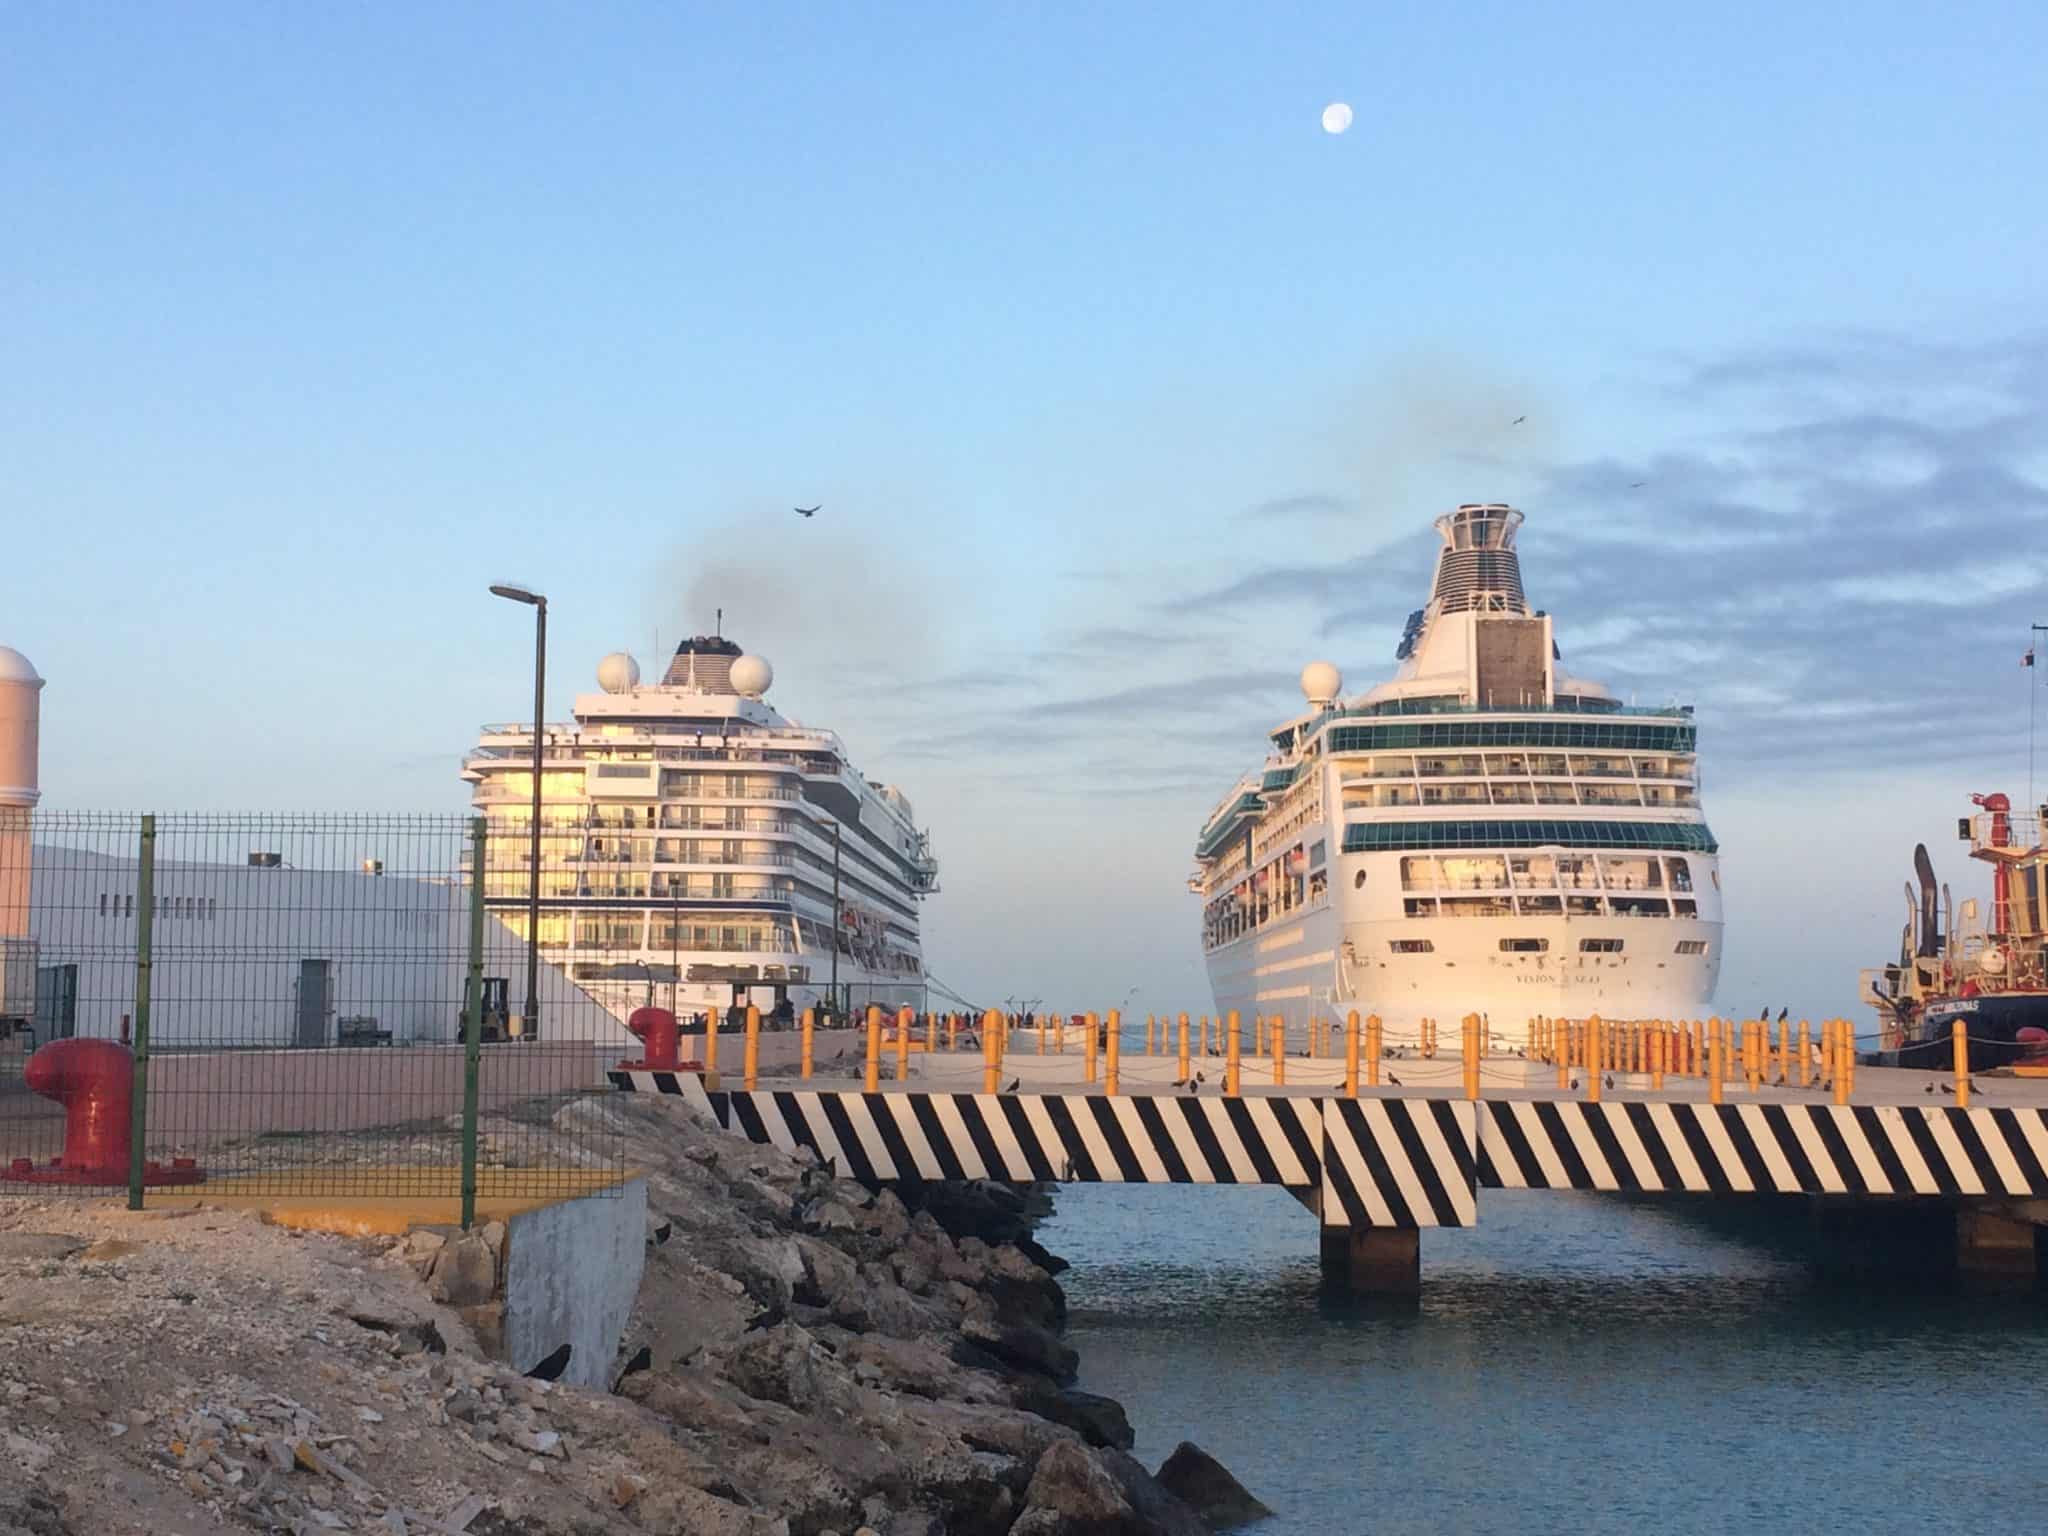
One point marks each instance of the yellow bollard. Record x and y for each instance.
(1714, 1049)
(1258, 1034)
(1753, 1058)
(872, 1081)
(1351, 1055)
(931, 1034)
(1230, 1059)
(1847, 1069)
(810, 1028)
(1279, 1037)
(1205, 1034)
(711, 1040)
(1658, 1041)
(1375, 1047)
(1472, 1056)
(1596, 1057)
(1109, 1070)
(1091, 1045)
(902, 1044)
(1183, 1048)
(1563, 1054)
(1805, 1056)
(1962, 1040)
(1059, 1035)
(991, 1051)
(750, 1063)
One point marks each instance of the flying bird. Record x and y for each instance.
(808, 511)
(1518, 421)
(1637, 485)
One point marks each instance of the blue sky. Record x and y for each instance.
(1125, 387)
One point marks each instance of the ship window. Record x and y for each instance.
(1524, 946)
(1599, 946)
(1692, 946)
(1381, 837)
(1411, 946)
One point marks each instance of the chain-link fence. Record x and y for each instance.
(283, 1005)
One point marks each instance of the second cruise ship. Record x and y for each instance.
(701, 851)
(1485, 832)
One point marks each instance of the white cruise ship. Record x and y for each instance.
(1482, 833)
(700, 852)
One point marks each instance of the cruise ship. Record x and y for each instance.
(701, 852)
(1484, 832)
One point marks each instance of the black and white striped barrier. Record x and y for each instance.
(1853, 1149)
(1391, 1162)
(1399, 1163)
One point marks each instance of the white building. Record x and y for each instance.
(259, 954)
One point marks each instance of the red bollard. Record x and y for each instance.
(95, 1082)
(661, 1041)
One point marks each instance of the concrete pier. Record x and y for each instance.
(1373, 1261)
(1999, 1247)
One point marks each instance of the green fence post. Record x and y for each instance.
(473, 1020)
(145, 925)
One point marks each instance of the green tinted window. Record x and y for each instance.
(1387, 836)
(1438, 735)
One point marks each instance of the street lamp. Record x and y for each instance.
(520, 594)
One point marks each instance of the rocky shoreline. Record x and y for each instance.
(902, 1369)
(804, 1358)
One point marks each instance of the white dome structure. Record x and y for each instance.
(1321, 682)
(752, 676)
(618, 673)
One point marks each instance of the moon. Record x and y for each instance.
(1336, 117)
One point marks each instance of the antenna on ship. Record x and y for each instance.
(2032, 662)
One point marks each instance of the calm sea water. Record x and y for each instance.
(1575, 1365)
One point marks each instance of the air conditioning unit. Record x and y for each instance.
(373, 866)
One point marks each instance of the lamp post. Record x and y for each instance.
(519, 594)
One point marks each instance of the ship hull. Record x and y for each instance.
(1333, 961)
(1995, 1027)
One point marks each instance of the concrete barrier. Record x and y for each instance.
(572, 1270)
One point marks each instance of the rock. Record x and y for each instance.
(1046, 1260)
(32, 1512)
(1201, 1482)
(38, 1245)
(1024, 1347)
(627, 1487)
(782, 1364)
(1099, 1420)
(464, 1273)
(1077, 1491)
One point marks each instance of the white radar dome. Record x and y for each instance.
(752, 676)
(1321, 682)
(618, 672)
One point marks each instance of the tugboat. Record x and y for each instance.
(1951, 967)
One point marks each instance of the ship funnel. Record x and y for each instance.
(1478, 570)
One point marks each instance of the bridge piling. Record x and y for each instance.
(1372, 1261)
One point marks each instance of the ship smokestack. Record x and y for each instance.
(1479, 571)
